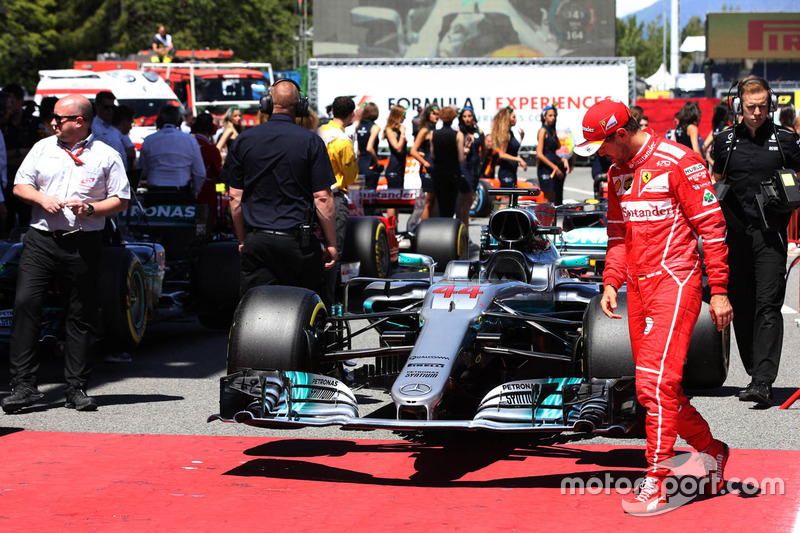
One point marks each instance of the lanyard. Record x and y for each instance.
(75, 157)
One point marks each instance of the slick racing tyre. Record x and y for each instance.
(368, 243)
(217, 273)
(607, 342)
(708, 355)
(607, 347)
(123, 300)
(277, 328)
(443, 239)
(481, 202)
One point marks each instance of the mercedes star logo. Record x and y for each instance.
(415, 389)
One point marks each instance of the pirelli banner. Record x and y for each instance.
(772, 36)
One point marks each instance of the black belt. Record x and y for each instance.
(173, 188)
(60, 234)
(274, 232)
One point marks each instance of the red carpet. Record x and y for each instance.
(75, 481)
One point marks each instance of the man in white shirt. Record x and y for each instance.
(171, 162)
(73, 184)
(102, 129)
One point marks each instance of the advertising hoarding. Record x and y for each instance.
(772, 36)
(527, 85)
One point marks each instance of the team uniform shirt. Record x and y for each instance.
(90, 171)
(658, 204)
(362, 137)
(753, 160)
(341, 154)
(110, 135)
(278, 166)
(171, 158)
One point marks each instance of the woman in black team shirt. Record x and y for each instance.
(447, 148)
(395, 135)
(550, 167)
(367, 136)
(687, 132)
(474, 148)
(421, 151)
(507, 147)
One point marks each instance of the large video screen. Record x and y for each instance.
(464, 28)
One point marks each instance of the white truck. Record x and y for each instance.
(144, 92)
(484, 84)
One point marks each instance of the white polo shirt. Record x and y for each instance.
(98, 174)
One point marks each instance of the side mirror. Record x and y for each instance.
(577, 261)
(416, 260)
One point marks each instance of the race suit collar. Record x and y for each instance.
(644, 152)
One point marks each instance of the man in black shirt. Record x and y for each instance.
(280, 175)
(757, 256)
(20, 135)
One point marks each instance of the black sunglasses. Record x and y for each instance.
(61, 119)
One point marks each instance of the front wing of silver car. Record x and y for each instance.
(276, 399)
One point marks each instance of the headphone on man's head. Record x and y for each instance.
(267, 105)
(736, 103)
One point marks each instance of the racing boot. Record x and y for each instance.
(21, 396)
(717, 455)
(651, 498)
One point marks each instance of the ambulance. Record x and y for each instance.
(144, 92)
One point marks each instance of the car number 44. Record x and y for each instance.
(447, 291)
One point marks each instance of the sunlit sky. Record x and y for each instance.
(701, 7)
(626, 7)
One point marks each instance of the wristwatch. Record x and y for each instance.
(89, 210)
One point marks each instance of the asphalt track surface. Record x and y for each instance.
(126, 466)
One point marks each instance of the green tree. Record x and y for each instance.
(695, 27)
(256, 30)
(653, 55)
(27, 35)
(631, 42)
(40, 34)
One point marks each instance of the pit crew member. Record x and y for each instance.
(280, 181)
(345, 168)
(757, 255)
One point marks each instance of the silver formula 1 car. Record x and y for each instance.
(510, 343)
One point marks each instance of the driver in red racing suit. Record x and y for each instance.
(660, 199)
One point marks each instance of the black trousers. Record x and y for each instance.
(73, 262)
(446, 187)
(757, 287)
(280, 260)
(331, 276)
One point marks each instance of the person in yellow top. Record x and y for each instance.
(345, 167)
